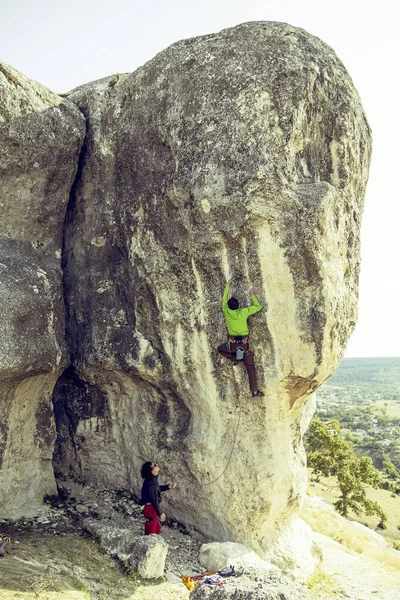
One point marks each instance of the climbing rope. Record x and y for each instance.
(229, 459)
(189, 581)
(237, 391)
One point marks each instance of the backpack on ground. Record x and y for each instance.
(3, 545)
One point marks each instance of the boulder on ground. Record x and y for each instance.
(215, 555)
(147, 556)
(113, 539)
(296, 551)
(252, 585)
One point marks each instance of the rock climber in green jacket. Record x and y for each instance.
(237, 347)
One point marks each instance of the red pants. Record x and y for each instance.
(153, 526)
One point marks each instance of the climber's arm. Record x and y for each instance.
(225, 297)
(256, 304)
(168, 486)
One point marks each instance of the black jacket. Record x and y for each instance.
(151, 492)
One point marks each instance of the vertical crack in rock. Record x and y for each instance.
(40, 138)
(70, 215)
(70, 392)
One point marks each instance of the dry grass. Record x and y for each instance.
(70, 567)
(387, 500)
(351, 534)
(320, 583)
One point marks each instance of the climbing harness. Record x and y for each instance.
(239, 342)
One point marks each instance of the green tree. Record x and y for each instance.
(389, 467)
(331, 455)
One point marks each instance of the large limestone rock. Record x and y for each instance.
(215, 556)
(244, 153)
(296, 551)
(145, 554)
(40, 139)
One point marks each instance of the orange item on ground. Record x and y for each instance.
(189, 582)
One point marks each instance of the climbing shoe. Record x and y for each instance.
(257, 393)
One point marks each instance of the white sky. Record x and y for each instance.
(64, 43)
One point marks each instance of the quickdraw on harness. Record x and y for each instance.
(3, 545)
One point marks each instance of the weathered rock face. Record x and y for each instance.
(40, 139)
(244, 153)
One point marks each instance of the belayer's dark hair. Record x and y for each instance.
(146, 469)
(233, 303)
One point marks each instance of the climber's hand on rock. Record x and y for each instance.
(172, 485)
(229, 282)
(251, 292)
(162, 517)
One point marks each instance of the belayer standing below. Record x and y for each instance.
(151, 497)
(237, 348)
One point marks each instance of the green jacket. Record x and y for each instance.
(236, 320)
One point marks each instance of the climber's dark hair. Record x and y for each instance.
(146, 469)
(233, 303)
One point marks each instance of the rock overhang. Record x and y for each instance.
(243, 152)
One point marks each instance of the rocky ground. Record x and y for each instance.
(53, 557)
(54, 553)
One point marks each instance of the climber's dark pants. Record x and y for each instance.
(229, 351)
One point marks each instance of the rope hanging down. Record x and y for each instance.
(237, 391)
(229, 459)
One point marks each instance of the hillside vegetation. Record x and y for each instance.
(380, 375)
(363, 395)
